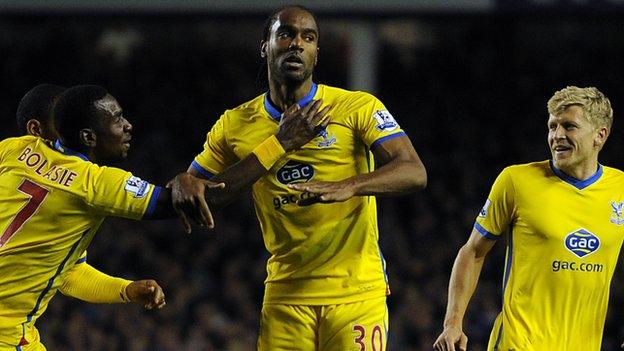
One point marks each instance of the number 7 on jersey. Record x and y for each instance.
(36, 194)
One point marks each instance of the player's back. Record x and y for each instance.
(52, 204)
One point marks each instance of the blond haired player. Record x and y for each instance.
(326, 286)
(565, 226)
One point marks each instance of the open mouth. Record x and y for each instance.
(293, 62)
(560, 149)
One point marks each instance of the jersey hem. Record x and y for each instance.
(324, 301)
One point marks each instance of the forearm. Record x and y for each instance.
(462, 285)
(88, 284)
(237, 178)
(245, 173)
(397, 177)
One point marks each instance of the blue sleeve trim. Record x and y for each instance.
(152, 202)
(484, 232)
(82, 260)
(201, 170)
(386, 138)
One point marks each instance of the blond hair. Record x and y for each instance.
(596, 106)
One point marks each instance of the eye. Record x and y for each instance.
(570, 126)
(283, 35)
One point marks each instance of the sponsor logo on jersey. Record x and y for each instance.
(326, 139)
(581, 242)
(385, 121)
(294, 172)
(137, 186)
(484, 211)
(616, 216)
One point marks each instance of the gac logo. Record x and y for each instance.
(581, 242)
(295, 172)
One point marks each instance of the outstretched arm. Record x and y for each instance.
(297, 127)
(399, 171)
(88, 284)
(462, 285)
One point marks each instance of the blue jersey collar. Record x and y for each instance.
(274, 110)
(579, 184)
(60, 147)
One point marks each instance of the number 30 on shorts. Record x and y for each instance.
(374, 337)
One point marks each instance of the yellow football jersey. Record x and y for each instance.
(564, 238)
(52, 204)
(324, 253)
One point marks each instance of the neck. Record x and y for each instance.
(285, 95)
(581, 171)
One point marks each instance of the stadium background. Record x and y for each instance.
(467, 80)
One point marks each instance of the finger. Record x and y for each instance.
(312, 109)
(146, 289)
(206, 214)
(212, 185)
(309, 201)
(305, 110)
(321, 116)
(463, 342)
(291, 110)
(300, 187)
(184, 220)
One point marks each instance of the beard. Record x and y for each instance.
(289, 77)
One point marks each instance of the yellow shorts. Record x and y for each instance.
(358, 326)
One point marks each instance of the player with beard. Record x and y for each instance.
(314, 186)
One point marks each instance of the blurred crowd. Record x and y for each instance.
(469, 90)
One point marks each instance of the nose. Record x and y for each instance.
(128, 127)
(296, 42)
(559, 132)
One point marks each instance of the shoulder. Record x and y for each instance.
(17, 141)
(527, 169)
(613, 173)
(353, 98)
(245, 109)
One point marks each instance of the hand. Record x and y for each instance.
(325, 192)
(188, 195)
(300, 125)
(450, 338)
(147, 293)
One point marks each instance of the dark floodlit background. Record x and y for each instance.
(468, 83)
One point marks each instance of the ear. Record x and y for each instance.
(601, 137)
(263, 48)
(33, 127)
(88, 137)
(318, 50)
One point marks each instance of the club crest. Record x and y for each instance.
(325, 139)
(616, 216)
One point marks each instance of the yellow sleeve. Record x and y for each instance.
(217, 155)
(116, 192)
(86, 283)
(373, 122)
(498, 211)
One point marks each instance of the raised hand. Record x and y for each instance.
(189, 199)
(325, 192)
(300, 125)
(147, 293)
